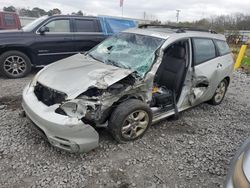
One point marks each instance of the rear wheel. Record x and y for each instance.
(130, 120)
(219, 93)
(14, 64)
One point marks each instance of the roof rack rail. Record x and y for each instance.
(178, 28)
(181, 30)
(158, 26)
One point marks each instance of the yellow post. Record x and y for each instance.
(240, 56)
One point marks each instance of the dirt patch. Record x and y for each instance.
(11, 102)
(120, 178)
(246, 68)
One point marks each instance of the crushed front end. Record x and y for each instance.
(65, 132)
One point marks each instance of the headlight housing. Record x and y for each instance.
(34, 80)
(73, 109)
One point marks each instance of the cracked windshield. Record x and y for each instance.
(141, 50)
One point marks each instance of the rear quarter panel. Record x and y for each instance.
(227, 68)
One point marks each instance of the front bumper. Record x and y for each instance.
(64, 132)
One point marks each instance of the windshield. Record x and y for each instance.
(129, 51)
(34, 24)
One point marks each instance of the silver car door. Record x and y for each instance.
(205, 70)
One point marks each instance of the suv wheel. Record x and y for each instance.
(219, 93)
(14, 64)
(130, 120)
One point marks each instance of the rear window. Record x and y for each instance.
(222, 47)
(83, 25)
(9, 20)
(117, 25)
(204, 50)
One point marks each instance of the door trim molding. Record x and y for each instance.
(58, 53)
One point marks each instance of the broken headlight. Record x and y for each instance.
(73, 109)
(34, 80)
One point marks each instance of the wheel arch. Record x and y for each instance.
(127, 97)
(107, 113)
(228, 79)
(22, 49)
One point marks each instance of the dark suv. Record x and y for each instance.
(49, 39)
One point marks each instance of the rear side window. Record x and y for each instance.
(9, 20)
(83, 25)
(222, 47)
(204, 50)
(59, 26)
(117, 25)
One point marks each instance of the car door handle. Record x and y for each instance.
(219, 65)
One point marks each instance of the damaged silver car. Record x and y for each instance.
(126, 83)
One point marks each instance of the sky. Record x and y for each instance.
(164, 10)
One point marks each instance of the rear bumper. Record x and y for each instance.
(64, 132)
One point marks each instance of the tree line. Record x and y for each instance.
(235, 22)
(37, 12)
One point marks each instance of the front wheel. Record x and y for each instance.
(14, 64)
(130, 120)
(219, 93)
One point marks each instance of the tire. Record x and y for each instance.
(133, 114)
(219, 93)
(14, 64)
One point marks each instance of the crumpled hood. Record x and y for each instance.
(77, 73)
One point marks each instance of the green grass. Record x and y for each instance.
(246, 64)
(246, 61)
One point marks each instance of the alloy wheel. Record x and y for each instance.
(14, 65)
(220, 92)
(135, 124)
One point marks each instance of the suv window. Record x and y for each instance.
(222, 47)
(83, 25)
(59, 26)
(204, 50)
(9, 20)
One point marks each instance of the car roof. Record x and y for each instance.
(147, 33)
(72, 16)
(166, 33)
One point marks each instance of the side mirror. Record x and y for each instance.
(43, 29)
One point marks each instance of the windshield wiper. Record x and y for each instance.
(117, 64)
(94, 57)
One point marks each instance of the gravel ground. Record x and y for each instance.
(193, 151)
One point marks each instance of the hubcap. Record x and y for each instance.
(220, 92)
(14, 65)
(135, 124)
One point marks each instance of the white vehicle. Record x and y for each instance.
(126, 83)
(239, 171)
